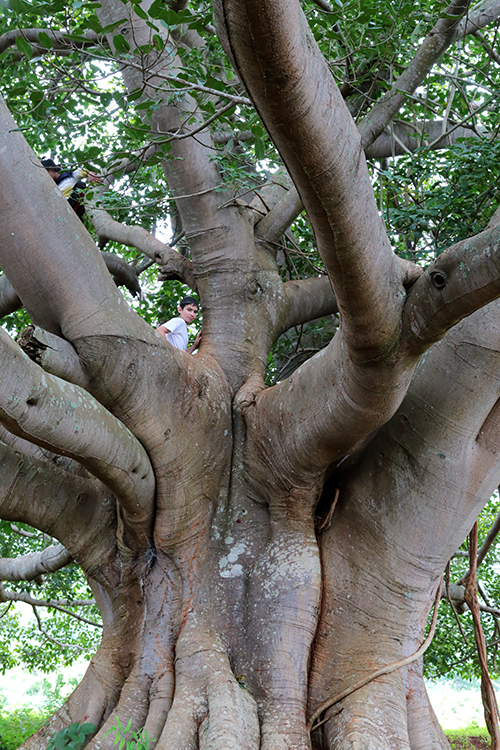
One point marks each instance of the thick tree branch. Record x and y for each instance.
(77, 511)
(54, 354)
(279, 218)
(31, 566)
(308, 299)
(57, 254)
(122, 273)
(20, 445)
(410, 136)
(66, 419)
(281, 66)
(134, 236)
(464, 278)
(480, 16)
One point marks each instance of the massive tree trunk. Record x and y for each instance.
(254, 551)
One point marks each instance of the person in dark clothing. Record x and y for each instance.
(71, 184)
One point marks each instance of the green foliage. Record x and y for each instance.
(64, 638)
(435, 199)
(460, 739)
(128, 738)
(17, 725)
(53, 696)
(449, 654)
(72, 738)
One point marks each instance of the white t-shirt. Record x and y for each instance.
(178, 335)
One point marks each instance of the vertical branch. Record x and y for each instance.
(487, 692)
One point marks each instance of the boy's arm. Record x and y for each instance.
(196, 343)
(162, 330)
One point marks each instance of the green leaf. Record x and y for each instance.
(23, 46)
(120, 43)
(112, 26)
(45, 40)
(170, 17)
(140, 12)
(134, 95)
(158, 41)
(88, 728)
(260, 150)
(20, 6)
(60, 740)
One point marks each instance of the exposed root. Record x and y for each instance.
(160, 702)
(133, 705)
(384, 670)
(424, 730)
(284, 591)
(210, 711)
(373, 718)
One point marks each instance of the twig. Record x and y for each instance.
(490, 538)
(477, 111)
(50, 638)
(21, 596)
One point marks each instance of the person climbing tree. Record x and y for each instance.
(71, 184)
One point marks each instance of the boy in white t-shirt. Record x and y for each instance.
(175, 329)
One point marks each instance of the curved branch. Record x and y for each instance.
(28, 567)
(64, 418)
(281, 66)
(9, 299)
(134, 236)
(79, 512)
(54, 355)
(463, 279)
(58, 39)
(122, 273)
(307, 300)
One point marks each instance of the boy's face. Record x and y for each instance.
(188, 313)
